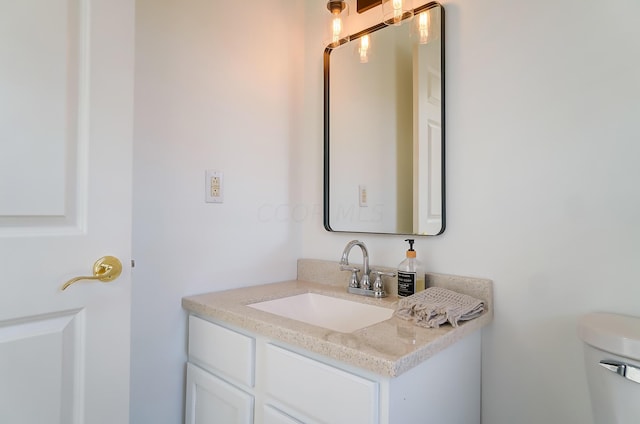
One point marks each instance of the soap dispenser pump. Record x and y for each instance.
(410, 273)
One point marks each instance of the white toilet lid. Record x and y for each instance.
(617, 334)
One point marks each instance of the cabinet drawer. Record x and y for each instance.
(319, 391)
(212, 400)
(226, 352)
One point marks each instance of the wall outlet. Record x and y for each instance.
(213, 186)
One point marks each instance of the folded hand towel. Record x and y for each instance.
(436, 305)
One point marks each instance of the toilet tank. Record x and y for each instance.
(612, 362)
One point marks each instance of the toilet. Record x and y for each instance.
(612, 361)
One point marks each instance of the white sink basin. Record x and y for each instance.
(329, 312)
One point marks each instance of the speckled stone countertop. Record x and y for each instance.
(388, 348)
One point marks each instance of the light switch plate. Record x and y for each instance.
(214, 182)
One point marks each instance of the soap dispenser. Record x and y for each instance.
(410, 273)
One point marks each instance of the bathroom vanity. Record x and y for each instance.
(250, 366)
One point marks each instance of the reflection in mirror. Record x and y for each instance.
(384, 129)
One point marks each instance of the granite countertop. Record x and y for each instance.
(388, 348)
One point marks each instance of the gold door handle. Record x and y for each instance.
(105, 269)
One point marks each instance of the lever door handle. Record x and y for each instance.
(105, 269)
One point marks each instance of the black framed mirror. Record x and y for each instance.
(384, 129)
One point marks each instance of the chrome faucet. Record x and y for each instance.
(365, 282)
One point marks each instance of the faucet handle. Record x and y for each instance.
(382, 273)
(378, 286)
(349, 268)
(353, 281)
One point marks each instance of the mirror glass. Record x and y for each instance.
(384, 129)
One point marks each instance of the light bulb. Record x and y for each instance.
(397, 9)
(336, 32)
(336, 29)
(395, 12)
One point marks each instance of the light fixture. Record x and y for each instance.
(336, 27)
(395, 12)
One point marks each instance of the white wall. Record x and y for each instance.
(213, 91)
(542, 147)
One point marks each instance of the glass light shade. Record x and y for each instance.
(395, 12)
(336, 26)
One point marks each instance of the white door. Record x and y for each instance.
(66, 88)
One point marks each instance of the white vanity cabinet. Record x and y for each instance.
(238, 377)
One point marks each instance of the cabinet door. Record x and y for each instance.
(211, 400)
